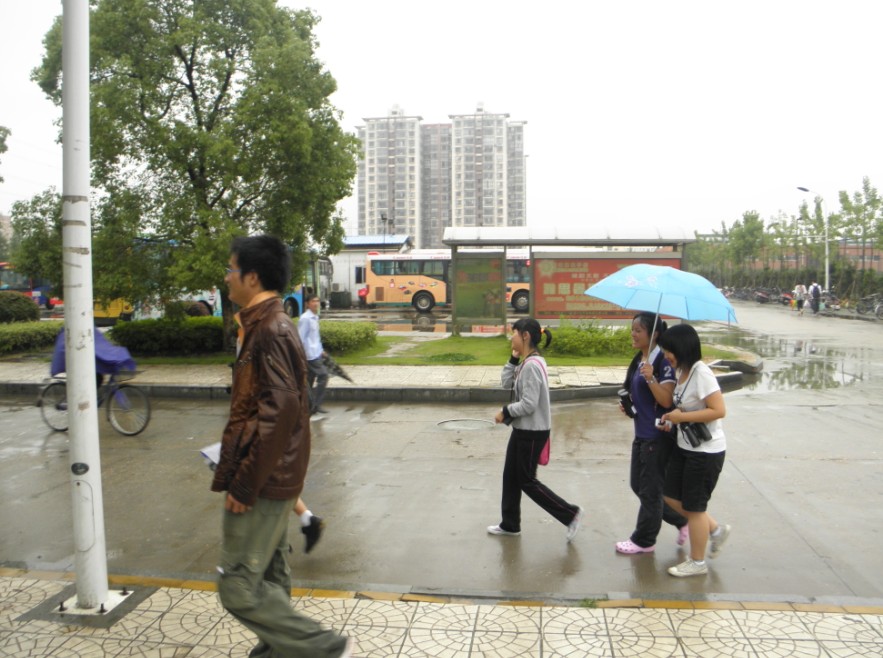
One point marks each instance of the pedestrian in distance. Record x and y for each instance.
(815, 297)
(650, 381)
(696, 463)
(800, 296)
(317, 372)
(530, 415)
(311, 525)
(265, 452)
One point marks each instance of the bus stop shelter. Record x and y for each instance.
(561, 265)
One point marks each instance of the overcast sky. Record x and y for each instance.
(660, 116)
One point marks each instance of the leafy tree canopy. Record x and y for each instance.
(4, 133)
(209, 119)
(36, 229)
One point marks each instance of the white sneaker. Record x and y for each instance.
(573, 528)
(497, 530)
(717, 543)
(688, 568)
(348, 649)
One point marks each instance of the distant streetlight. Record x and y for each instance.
(388, 226)
(827, 256)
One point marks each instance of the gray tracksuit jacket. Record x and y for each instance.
(531, 408)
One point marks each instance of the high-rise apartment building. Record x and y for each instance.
(516, 174)
(420, 179)
(479, 163)
(389, 175)
(435, 162)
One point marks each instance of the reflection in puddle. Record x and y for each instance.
(798, 364)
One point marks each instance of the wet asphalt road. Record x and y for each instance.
(407, 501)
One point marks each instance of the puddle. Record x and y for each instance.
(801, 364)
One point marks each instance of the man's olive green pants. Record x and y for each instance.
(255, 585)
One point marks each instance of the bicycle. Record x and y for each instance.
(128, 407)
(871, 304)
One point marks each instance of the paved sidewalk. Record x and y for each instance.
(184, 618)
(32, 372)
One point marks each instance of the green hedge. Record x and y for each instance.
(16, 307)
(342, 337)
(206, 335)
(587, 339)
(165, 336)
(24, 336)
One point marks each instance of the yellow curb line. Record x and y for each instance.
(211, 586)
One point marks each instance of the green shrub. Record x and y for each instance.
(166, 336)
(587, 339)
(16, 307)
(23, 336)
(342, 337)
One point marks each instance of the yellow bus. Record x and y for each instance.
(421, 278)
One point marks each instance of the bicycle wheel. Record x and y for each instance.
(53, 406)
(128, 409)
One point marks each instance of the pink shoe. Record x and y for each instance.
(629, 547)
(683, 535)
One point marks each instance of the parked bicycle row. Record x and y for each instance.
(869, 305)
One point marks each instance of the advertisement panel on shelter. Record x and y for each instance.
(478, 287)
(561, 284)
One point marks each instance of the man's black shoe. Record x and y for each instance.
(312, 532)
(320, 410)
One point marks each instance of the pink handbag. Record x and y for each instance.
(544, 453)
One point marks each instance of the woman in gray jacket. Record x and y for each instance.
(530, 415)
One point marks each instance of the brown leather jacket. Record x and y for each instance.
(265, 448)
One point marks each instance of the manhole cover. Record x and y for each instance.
(465, 424)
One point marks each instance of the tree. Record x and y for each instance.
(746, 240)
(4, 133)
(210, 119)
(861, 219)
(36, 242)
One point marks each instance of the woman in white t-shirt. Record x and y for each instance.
(694, 466)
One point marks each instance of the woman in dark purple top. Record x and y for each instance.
(650, 382)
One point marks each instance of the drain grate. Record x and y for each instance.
(465, 424)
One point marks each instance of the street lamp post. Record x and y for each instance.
(827, 253)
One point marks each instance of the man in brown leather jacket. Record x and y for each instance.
(265, 451)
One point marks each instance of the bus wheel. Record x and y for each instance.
(520, 301)
(423, 302)
(291, 308)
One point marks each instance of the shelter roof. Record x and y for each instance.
(376, 241)
(461, 236)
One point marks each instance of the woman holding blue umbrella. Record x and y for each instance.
(650, 381)
(696, 462)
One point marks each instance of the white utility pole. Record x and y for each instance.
(79, 324)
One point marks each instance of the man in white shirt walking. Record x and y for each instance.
(317, 373)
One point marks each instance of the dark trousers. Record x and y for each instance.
(317, 374)
(649, 459)
(520, 474)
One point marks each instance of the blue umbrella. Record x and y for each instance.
(666, 291)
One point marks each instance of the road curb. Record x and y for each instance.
(728, 381)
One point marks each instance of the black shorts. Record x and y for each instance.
(691, 477)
